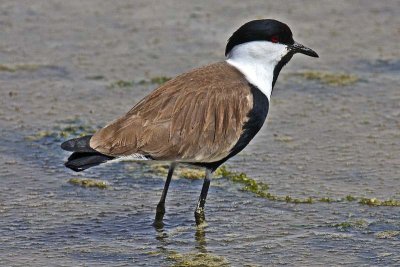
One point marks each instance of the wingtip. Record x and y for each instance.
(73, 167)
(67, 146)
(79, 144)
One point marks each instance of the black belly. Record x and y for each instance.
(257, 117)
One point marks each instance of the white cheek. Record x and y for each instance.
(257, 61)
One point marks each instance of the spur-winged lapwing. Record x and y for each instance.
(202, 117)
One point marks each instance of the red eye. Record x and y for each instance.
(274, 39)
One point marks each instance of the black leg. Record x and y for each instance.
(161, 205)
(199, 213)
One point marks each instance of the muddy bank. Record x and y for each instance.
(332, 136)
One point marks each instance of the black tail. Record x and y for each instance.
(84, 156)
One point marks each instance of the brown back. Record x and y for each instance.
(196, 117)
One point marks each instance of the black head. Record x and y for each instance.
(267, 30)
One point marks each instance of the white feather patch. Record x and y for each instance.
(257, 61)
(133, 157)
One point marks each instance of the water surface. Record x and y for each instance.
(60, 60)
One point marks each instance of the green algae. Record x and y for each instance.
(377, 202)
(342, 225)
(95, 77)
(387, 234)
(121, 84)
(289, 199)
(40, 135)
(241, 178)
(350, 198)
(76, 130)
(329, 200)
(190, 259)
(325, 199)
(159, 169)
(159, 80)
(360, 224)
(88, 183)
(188, 173)
(333, 79)
(260, 189)
(354, 224)
(153, 253)
(19, 67)
(196, 259)
(181, 172)
(59, 133)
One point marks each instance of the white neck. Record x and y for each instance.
(257, 61)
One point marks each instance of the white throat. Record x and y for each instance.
(257, 61)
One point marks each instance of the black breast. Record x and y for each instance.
(257, 117)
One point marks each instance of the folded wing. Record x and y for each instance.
(196, 117)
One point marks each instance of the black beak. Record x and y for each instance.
(299, 48)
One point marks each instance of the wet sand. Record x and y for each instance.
(61, 67)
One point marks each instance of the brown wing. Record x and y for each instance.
(196, 117)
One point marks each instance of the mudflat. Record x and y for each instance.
(320, 183)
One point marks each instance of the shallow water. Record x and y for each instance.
(321, 141)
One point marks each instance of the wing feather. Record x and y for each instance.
(196, 117)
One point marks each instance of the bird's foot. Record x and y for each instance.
(160, 211)
(199, 216)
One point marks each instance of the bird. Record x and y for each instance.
(202, 117)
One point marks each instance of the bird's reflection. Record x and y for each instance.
(200, 237)
(161, 234)
(162, 237)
